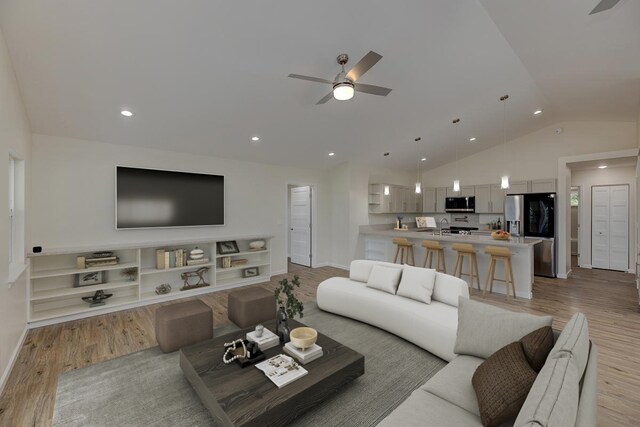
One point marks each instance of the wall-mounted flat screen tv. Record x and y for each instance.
(152, 198)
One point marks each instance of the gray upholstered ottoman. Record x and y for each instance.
(248, 307)
(182, 324)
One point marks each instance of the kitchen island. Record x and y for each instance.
(378, 245)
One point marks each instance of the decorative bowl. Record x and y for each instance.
(303, 338)
(257, 244)
(500, 235)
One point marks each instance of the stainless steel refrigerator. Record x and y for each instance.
(534, 215)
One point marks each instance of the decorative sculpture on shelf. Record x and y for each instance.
(201, 283)
(231, 349)
(97, 299)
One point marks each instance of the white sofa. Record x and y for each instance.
(433, 326)
(563, 394)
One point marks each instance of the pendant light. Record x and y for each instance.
(418, 179)
(386, 190)
(456, 181)
(504, 181)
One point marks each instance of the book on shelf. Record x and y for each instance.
(197, 261)
(100, 262)
(282, 370)
(237, 262)
(266, 341)
(171, 258)
(303, 356)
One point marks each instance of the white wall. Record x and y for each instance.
(535, 155)
(610, 176)
(73, 196)
(14, 137)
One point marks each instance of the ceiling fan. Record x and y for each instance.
(604, 5)
(344, 85)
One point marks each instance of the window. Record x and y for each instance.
(16, 217)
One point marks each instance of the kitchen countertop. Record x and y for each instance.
(453, 238)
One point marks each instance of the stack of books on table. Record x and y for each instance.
(303, 356)
(266, 341)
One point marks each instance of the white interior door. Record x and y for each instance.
(300, 232)
(610, 227)
(600, 227)
(619, 228)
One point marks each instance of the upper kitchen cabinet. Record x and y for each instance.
(429, 200)
(519, 187)
(399, 200)
(489, 198)
(441, 199)
(543, 186)
(433, 199)
(465, 191)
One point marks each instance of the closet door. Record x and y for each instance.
(619, 228)
(600, 227)
(610, 227)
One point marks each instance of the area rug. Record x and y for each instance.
(148, 388)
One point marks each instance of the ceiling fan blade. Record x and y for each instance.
(604, 5)
(373, 90)
(365, 64)
(311, 79)
(326, 98)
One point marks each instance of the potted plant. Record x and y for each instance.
(287, 308)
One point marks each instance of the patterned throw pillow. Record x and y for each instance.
(537, 345)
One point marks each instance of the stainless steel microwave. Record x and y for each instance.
(460, 204)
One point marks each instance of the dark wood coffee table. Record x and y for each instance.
(246, 397)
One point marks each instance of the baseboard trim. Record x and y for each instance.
(12, 359)
(278, 272)
(340, 266)
(587, 266)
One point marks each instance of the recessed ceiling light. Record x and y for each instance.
(473, 138)
(126, 113)
(424, 159)
(255, 138)
(602, 167)
(537, 112)
(332, 154)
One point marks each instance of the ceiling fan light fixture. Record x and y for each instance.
(343, 91)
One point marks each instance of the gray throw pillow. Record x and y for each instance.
(484, 329)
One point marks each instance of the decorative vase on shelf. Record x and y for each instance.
(196, 253)
(282, 325)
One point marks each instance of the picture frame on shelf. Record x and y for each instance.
(251, 272)
(88, 279)
(227, 247)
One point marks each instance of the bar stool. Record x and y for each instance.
(499, 254)
(466, 250)
(431, 248)
(404, 248)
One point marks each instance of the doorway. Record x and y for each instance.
(610, 227)
(300, 225)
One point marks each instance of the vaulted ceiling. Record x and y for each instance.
(204, 76)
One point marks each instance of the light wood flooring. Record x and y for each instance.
(609, 300)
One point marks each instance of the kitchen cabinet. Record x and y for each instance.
(497, 199)
(429, 200)
(441, 199)
(543, 186)
(519, 187)
(483, 198)
(489, 198)
(400, 199)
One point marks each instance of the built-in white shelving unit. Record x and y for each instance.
(53, 296)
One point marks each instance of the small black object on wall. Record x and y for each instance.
(37, 249)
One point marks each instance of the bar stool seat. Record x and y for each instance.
(432, 247)
(404, 248)
(466, 250)
(499, 253)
